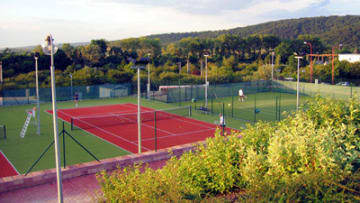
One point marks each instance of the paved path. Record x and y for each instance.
(79, 189)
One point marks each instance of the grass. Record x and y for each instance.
(23, 152)
(267, 103)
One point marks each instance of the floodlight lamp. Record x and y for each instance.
(47, 45)
(305, 42)
(36, 55)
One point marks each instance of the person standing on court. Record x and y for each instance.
(33, 114)
(222, 123)
(76, 99)
(241, 95)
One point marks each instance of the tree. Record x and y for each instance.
(69, 51)
(254, 42)
(270, 42)
(94, 53)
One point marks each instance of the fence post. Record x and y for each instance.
(179, 99)
(232, 105)
(255, 108)
(279, 108)
(155, 131)
(4, 131)
(223, 124)
(276, 107)
(63, 134)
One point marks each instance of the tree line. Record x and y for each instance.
(229, 57)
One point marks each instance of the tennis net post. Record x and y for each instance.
(71, 124)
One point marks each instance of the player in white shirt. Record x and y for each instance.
(222, 123)
(241, 95)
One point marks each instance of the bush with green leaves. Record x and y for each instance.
(313, 155)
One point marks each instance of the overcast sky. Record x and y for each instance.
(25, 22)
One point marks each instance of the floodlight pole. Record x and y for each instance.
(139, 110)
(36, 56)
(1, 73)
(206, 81)
(332, 63)
(50, 47)
(298, 81)
(138, 67)
(71, 87)
(148, 85)
(311, 65)
(272, 65)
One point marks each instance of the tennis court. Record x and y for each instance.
(161, 129)
(6, 167)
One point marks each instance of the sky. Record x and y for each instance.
(26, 23)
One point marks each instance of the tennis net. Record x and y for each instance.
(113, 119)
(2, 132)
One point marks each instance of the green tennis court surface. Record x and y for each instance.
(22, 152)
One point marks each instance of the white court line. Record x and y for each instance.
(185, 121)
(85, 107)
(170, 134)
(10, 163)
(95, 135)
(181, 134)
(126, 140)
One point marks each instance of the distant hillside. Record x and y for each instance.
(332, 30)
(30, 48)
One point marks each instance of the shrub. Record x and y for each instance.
(312, 155)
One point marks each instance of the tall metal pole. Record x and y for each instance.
(148, 85)
(311, 65)
(37, 94)
(298, 82)
(56, 138)
(206, 82)
(272, 65)
(71, 87)
(332, 63)
(1, 73)
(139, 114)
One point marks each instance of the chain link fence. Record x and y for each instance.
(28, 96)
(265, 100)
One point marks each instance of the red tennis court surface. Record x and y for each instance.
(170, 131)
(6, 168)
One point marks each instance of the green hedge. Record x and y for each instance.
(313, 155)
